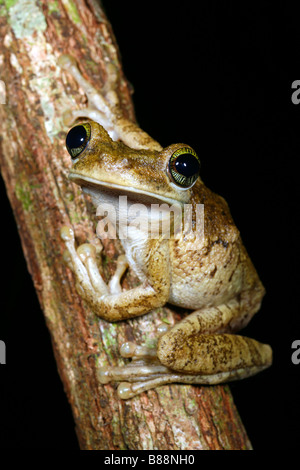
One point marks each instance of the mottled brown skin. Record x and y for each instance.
(116, 163)
(212, 276)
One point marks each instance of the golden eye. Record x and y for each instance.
(78, 138)
(184, 167)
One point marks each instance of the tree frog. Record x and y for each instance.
(212, 275)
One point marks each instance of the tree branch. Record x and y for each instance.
(34, 165)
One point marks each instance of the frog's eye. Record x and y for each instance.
(78, 138)
(184, 167)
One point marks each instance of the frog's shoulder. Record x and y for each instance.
(219, 226)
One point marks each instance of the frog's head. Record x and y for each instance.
(102, 165)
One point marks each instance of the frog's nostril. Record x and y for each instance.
(77, 139)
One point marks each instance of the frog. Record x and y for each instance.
(210, 276)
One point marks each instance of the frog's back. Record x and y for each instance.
(217, 269)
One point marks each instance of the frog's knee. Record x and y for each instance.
(169, 351)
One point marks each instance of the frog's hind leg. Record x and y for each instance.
(195, 351)
(203, 343)
(146, 372)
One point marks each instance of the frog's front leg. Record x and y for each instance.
(196, 350)
(103, 107)
(108, 301)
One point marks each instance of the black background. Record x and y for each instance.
(217, 76)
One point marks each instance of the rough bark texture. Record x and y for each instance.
(34, 166)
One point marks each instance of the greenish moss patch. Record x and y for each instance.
(9, 3)
(72, 11)
(23, 194)
(53, 7)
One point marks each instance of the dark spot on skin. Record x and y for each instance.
(220, 242)
(213, 272)
(208, 249)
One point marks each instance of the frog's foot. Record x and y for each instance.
(144, 369)
(82, 262)
(145, 372)
(70, 116)
(101, 106)
(104, 108)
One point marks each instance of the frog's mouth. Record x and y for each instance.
(91, 185)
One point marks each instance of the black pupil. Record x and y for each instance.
(76, 137)
(187, 165)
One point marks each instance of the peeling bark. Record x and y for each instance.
(34, 166)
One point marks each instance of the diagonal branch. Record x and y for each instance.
(34, 166)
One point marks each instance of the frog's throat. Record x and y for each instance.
(86, 181)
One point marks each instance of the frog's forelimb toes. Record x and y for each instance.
(115, 282)
(83, 263)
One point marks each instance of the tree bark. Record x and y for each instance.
(34, 166)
